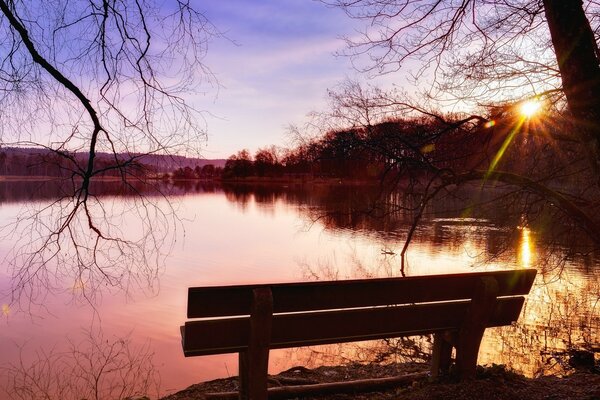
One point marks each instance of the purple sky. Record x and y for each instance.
(278, 69)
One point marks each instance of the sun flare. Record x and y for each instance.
(530, 108)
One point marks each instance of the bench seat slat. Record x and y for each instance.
(328, 295)
(230, 335)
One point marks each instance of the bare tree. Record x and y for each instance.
(488, 56)
(94, 368)
(526, 168)
(79, 78)
(483, 51)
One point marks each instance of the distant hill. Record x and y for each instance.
(34, 161)
(161, 163)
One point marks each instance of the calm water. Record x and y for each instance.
(239, 235)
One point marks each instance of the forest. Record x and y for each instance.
(412, 147)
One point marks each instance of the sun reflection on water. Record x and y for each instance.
(526, 249)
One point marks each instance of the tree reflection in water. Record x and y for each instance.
(561, 314)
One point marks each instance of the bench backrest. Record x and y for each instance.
(222, 301)
(311, 313)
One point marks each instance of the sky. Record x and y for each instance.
(273, 69)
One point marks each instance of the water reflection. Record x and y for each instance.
(561, 313)
(248, 234)
(490, 221)
(44, 190)
(526, 250)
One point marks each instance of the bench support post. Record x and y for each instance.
(254, 363)
(471, 333)
(441, 354)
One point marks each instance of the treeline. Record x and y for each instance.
(207, 171)
(407, 147)
(265, 163)
(394, 147)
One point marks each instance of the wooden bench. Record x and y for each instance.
(252, 319)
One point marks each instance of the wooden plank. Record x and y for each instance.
(221, 301)
(230, 335)
(218, 336)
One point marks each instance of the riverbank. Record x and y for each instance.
(492, 383)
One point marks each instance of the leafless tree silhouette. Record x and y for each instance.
(79, 79)
(484, 51)
(95, 368)
(499, 160)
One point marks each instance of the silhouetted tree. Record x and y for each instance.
(97, 367)
(208, 170)
(239, 165)
(489, 51)
(184, 173)
(266, 162)
(524, 163)
(491, 55)
(81, 77)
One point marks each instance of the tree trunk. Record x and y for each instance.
(577, 55)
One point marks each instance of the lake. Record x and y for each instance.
(205, 234)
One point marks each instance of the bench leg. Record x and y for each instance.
(467, 352)
(254, 363)
(441, 354)
(253, 377)
(243, 377)
(471, 333)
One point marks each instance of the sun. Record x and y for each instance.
(530, 107)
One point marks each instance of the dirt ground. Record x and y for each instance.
(492, 383)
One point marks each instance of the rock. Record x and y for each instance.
(581, 360)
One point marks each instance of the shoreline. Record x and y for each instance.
(44, 178)
(492, 383)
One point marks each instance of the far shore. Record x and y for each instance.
(13, 178)
(246, 180)
(43, 178)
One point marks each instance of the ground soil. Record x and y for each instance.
(492, 383)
